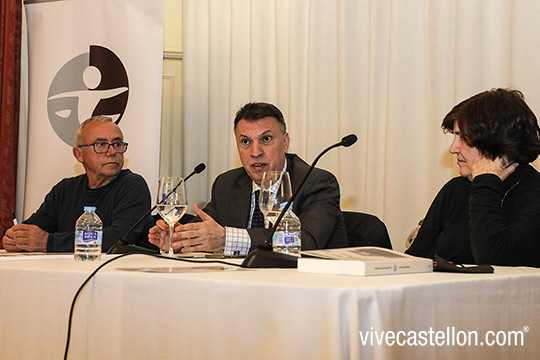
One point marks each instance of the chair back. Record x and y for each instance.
(366, 230)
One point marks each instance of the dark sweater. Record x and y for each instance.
(118, 204)
(486, 221)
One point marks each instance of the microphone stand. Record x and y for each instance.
(263, 256)
(124, 247)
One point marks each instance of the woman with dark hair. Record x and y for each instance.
(491, 213)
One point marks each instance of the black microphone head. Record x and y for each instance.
(349, 140)
(199, 168)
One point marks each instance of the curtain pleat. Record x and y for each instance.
(10, 55)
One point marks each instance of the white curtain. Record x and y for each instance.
(386, 70)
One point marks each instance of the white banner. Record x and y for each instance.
(92, 57)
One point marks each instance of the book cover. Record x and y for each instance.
(362, 261)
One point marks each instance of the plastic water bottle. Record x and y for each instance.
(286, 239)
(88, 235)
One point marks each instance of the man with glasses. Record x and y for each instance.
(120, 196)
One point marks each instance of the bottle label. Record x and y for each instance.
(88, 237)
(285, 238)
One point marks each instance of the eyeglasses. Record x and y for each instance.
(101, 147)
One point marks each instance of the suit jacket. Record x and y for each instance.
(317, 205)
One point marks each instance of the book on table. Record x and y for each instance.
(362, 261)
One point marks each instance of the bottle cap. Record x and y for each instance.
(89, 208)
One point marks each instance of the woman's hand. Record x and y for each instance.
(500, 167)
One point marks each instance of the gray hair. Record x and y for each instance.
(81, 127)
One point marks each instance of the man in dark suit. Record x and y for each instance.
(262, 142)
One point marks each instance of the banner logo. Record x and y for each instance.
(93, 83)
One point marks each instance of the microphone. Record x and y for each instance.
(124, 247)
(348, 140)
(198, 169)
(263, 256)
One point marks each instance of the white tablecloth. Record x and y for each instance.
(254, 314)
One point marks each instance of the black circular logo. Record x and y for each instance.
(93, 83)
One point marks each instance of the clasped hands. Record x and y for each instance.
(501, 167)
(24, 237)
(207, 235)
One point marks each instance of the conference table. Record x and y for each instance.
(142, 307)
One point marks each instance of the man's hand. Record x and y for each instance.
(500, 167)
(9, 240)
(25, 237)
(159, 235)
(207, 235)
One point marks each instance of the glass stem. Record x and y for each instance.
(171, 230)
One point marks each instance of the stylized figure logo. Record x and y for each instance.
(93, 83)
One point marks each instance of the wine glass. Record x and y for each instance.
(171, 205)
(276, 190)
